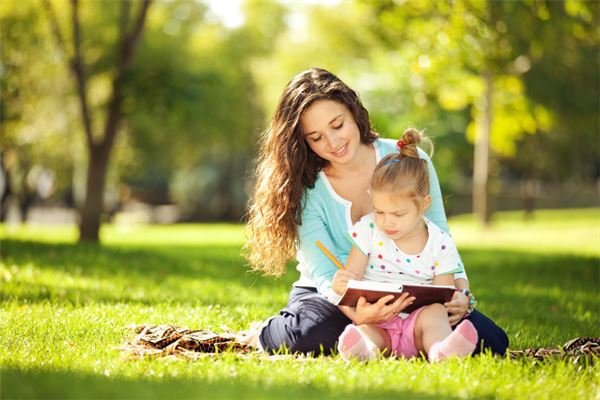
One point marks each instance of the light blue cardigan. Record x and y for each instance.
(326, 217)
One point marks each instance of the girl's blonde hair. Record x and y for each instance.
(286, 166)
(405, 171)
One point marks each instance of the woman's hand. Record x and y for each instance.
(340, 280)
(457, 308)
(373, 313)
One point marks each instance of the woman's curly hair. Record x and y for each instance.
(286, 166)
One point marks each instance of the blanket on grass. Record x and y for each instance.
(165, 340)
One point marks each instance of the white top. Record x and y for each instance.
(388, 263)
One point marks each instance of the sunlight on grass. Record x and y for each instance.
(65, 306)
(138, 235)
(551, 231)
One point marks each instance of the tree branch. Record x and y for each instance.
(125, 14)
(54, 26)
(129, 42)
(77, 68)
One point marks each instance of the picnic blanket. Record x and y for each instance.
(575, 350)
(165, 340)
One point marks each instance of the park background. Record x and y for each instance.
(128, 132)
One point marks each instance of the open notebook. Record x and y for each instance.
(373, 291)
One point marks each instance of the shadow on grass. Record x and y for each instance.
(18, 384)
(216, 262)
(165, 274)
(539, 299)
(555, 295)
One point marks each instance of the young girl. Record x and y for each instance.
(397, 243)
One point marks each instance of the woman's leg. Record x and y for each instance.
(308, 324)
(491, 336)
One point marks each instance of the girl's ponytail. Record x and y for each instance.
(407, 146)
(404, 171)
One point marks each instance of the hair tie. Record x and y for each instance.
(400, 144)
(392, 161)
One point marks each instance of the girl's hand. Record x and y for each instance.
(457, 308)
(373, 313)
(340, 280)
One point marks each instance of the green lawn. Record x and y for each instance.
(64, 308)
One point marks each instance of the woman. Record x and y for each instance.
(312, 176)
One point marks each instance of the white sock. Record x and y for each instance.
(353, 343)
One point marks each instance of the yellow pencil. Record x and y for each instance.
(329, 255)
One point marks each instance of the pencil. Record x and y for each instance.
(329, 255)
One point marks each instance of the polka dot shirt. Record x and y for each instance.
(388, 263)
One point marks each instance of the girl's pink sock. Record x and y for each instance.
(354, 344)
(461, 342)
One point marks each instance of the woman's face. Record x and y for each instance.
(330, 131)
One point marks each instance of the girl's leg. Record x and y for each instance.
(431, 327)
(434, 336)
(364, 342)
(491, 336)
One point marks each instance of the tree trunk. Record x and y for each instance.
(481, 203)
(99, 151)
(91, 213)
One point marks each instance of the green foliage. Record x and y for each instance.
(64, 306)
(198, 93)
(564, 77)
(36, 129)
(543, 58)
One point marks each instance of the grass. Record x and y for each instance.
(63, 307)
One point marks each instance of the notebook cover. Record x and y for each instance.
(425, 295)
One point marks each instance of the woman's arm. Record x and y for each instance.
(380, 311)
(313, 228)
(437, 214)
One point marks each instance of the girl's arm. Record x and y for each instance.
(443, 280)
(458, 306)
(356, 262)
(461, 283)
(355, 269)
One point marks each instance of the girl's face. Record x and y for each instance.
(330, 131)
(397, 215)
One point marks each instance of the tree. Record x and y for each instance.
(99, 146)
(485, 57)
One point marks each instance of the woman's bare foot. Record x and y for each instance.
(250, 336)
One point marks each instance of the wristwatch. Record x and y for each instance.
(472, 300)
